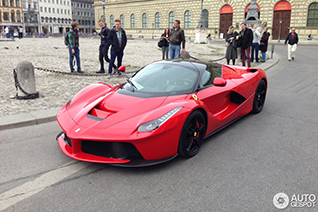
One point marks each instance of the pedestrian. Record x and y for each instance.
(255, 44)
(73, 46)
(246, 39)
(231, 52)
(165, 43)
(7, 31)
(117, 38)
(104, 45)
(264, 43)
(176, 39)
(11, 29)
(292, 40)
(20, 31)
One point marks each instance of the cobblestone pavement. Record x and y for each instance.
(51, 53)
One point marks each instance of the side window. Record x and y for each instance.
(206, 79)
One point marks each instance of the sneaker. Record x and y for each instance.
(80, 71)
(289, 60)
(109, 75)
(72, 70)
(100, 72)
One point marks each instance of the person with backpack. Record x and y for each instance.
(73, 46)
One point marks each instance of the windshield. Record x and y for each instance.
(163, 78)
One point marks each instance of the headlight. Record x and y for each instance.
(152, 125)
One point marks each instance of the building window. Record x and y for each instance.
(132, 21)
(312, 20)
(157, 20)
(171, 19)
(49, 9)
(12, 16)
(187, 19)
(45, 10)
(0, 16)
(6, 16)
(51, 20)
(5, 3)
(111, 21)
(205, 18)
(122, 21)
(46, 19)
(11, 3)
(17, 3)
(18, 16)
(144, 21)
(42, 19)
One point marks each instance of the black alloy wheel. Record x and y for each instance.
(192, 134)
(260, 95)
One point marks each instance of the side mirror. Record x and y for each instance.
(219, 81)
(122, 69)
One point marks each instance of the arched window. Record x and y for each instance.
(112, 21)
(132, 21)
(18, 16)
(205, 18)
(51, 19)
(312, 20)
(42, 19)
(187, 19)
(46, 19)
(144, 21)
(12, 16)
(171, 19)
(122, 21)
(157, 20)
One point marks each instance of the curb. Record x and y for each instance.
(44, 116)
(28, 119)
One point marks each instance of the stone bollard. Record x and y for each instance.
(25, 81)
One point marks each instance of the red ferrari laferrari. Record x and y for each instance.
(165, 109)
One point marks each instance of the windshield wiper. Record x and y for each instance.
(132, 84)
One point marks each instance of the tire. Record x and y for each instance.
(260, 95)
(192, 134)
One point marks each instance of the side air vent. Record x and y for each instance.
(237, 98)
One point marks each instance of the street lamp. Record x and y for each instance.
(103, 3)
(280, 29)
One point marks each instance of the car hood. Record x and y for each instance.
(113, 108)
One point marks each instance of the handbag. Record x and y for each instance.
(262, 44)
(160, 44)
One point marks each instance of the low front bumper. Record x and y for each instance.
(114, 153)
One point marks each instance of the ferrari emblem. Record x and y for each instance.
(77, 130)
(195, 133)
(195, 97)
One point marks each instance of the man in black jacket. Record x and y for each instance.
(117, 38)
(292, 39)
(104, 45)
(246, 40)
(176, 39)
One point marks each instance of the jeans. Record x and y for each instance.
(103, 54)
(77, 56)
(113, 55)
(255, 47)
(174, 51)
(248, 55)
(165, 52)
(264, 56)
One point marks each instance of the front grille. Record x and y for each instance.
(110, 149)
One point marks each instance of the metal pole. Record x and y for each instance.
(280, 29)
(201, 21)
(153, 29)
(103, 2)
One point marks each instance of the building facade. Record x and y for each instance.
(55, 16)
(150, 17)
(83, 12)
(31, 17)
(10, 14)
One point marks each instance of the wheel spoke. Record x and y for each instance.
(190, 143)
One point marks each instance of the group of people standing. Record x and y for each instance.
(172, 41)
(115, 37)
(249, 42)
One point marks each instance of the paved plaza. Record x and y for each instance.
(51, 53)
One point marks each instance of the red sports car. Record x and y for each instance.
(165, 109)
